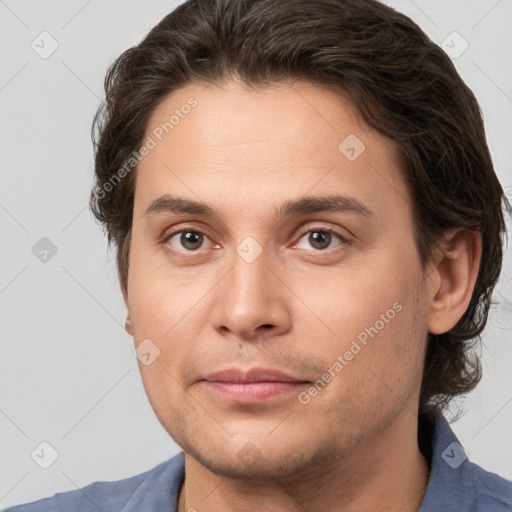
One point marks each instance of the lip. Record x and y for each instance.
(250, 376)
(253, 386)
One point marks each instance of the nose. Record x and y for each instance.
(252, 301)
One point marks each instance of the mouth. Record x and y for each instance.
(253, 386)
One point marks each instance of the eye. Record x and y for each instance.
(188, 239)
(320, 238)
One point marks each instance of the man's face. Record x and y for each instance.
(341, 313)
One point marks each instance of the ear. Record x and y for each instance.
(127, 323)
(453, 279)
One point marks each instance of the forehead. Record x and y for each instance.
(230, 141)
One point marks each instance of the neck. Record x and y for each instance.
(387, 472)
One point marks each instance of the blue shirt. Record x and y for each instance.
(455, 485)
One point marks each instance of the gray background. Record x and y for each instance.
(68, 374)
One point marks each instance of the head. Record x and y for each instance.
(227, 138)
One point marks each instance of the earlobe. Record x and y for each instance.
(128, 326)
(456, 271)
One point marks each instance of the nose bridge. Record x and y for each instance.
(251, 296)
(250, 284)
(251, 264)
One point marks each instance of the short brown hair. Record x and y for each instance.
(402, 84)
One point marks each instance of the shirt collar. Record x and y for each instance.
(160, 491)
(451, 478)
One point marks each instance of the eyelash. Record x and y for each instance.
(344, 241)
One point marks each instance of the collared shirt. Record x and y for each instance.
(455, 485)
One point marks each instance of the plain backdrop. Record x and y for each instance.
(68, 374)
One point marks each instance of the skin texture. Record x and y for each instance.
(296, 308)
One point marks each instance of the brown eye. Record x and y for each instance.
(187, 239)
(321, 239)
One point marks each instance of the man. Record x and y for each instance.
(308, 230)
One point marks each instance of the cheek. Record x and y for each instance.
(384, 359)
(378, 325)
(160, 300)
(365, 294)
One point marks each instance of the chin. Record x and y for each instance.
(268, 464)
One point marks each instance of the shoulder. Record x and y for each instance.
(156, 484)
(456, 484)
(491, 492)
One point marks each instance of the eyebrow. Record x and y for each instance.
(309, 204)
